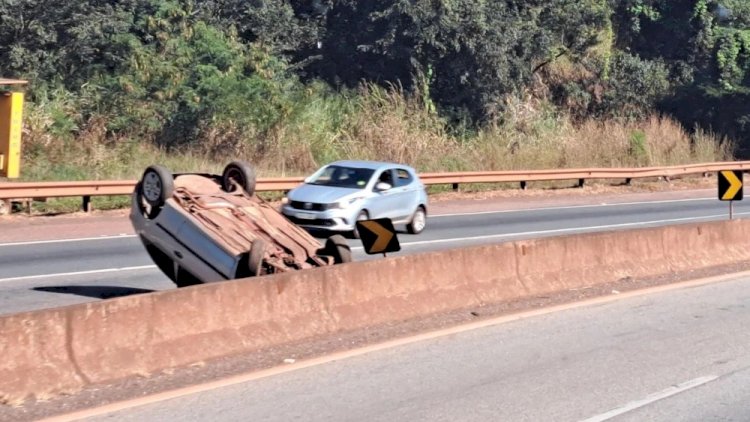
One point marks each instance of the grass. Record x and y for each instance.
(376, 123)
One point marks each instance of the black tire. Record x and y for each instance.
(418, 221)
(363, 215)
(255, 257)
(339, 249)
(157, 185)
(242, 173)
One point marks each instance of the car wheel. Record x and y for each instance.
(363, 215)
(418, 221)
(240, 172)
(157, 185)
(338, 248)
(255, 257)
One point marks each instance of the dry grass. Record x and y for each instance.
(378, 124)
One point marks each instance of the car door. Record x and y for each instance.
(405, 194)
(384, 204)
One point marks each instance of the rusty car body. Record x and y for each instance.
(201, 228)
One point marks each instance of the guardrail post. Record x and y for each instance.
(86, 203)
(6, 206)
(523, 185)
(455, 187)
(580, 182)
(628, 180)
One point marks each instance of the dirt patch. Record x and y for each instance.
(134, 387)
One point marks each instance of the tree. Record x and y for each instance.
(476, 52)
(67, 43)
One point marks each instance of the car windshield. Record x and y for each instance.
(342, 177)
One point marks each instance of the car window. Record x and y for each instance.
(344, 177)
(386, 176)
(403, 177)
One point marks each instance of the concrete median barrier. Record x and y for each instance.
(61, 350)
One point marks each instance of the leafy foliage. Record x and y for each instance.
(236, 73)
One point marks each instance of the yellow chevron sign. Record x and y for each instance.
(378, 236)
(730, 185)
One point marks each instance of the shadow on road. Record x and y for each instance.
(100, 292)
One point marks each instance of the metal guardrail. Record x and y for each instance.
(87, 189)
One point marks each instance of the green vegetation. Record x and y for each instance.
(443, 85)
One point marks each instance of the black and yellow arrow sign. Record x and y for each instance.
(730, 185)
(378, 236)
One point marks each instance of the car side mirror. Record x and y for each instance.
(382, 186)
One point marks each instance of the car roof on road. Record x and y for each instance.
(374, 165)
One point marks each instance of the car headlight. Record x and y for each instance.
(343, 204)
(284, 200)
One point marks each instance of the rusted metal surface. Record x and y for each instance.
(237, 220)
(125, 187)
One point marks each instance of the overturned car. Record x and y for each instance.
(201, 228)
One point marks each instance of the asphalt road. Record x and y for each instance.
(678, 355)
(45, 274)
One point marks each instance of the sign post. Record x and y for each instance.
(11, 125)
(730, 188)
(378, 236)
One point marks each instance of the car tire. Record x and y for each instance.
(418, 221)
(339, 249)
(363, 215)
(157, 185)
(242, 173)
(255, 257)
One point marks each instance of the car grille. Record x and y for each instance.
(317, 222)
(299, 205)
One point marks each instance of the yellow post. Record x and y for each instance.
(11, 125)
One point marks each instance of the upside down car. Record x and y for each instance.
(202, 228)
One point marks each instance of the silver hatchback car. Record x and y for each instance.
(338, 194)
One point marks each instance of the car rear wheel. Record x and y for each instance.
(157, 185)
(418, 221)
(240, 172)
(338, 248)
(363, 215)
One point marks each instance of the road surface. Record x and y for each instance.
(44, 274)
(678, 355)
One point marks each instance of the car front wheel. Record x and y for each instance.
(157, 185)
(362, 216)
